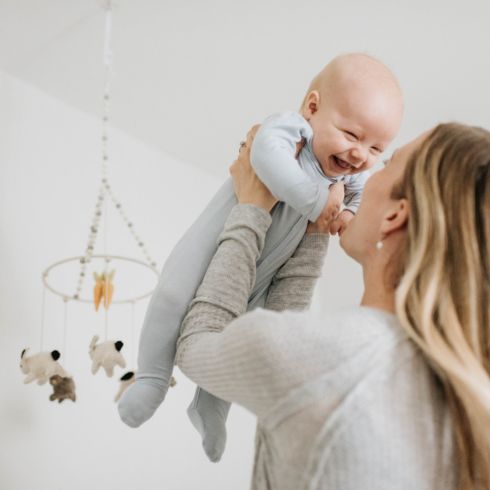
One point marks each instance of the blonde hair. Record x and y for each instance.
(443, 294)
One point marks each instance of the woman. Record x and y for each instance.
(394, 394)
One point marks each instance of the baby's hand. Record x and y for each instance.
(334, 201)
(340, 223)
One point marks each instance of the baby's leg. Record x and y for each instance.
(181, 276)
(208, 415)
(207, 412)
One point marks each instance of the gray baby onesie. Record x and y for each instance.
(302, 189)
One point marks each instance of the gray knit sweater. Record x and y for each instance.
(342, 402)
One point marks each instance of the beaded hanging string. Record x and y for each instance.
(105, 190)
(105, 138)
(106, 268)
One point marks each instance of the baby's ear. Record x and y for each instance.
(311, 104)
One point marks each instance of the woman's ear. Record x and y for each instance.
(311, 104)
(396, 218)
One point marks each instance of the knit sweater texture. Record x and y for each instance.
(343, 402)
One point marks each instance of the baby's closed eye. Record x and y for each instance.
(352, 136)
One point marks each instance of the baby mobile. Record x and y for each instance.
(44, 366)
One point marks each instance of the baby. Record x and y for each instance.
(310, 161)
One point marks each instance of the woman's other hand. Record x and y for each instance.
(248, 187)
(328, 222)
(321, 225)
(340, 223)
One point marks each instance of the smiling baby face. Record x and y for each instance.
(354, 107)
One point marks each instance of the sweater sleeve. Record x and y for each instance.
(238, 363)
(273, 159)
(293, 284)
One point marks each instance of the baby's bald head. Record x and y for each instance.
(356, 75)
(354, 106)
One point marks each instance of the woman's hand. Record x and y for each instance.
(328, 221)
(321, 225)
(248, 187)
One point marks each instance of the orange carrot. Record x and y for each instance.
(108, 288)
(98, 291)
(108, 292)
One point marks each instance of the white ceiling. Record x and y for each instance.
(192, 75)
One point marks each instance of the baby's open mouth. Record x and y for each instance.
(342, 164)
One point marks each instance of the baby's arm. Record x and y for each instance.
(273, 157)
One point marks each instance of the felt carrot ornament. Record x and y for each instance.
(108, 288)
(98, 290)
(103, 289)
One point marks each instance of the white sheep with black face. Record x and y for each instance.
(126, 380)
(41, 366)
(106, 354)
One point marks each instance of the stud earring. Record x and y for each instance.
(379, 245)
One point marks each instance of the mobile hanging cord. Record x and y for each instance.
(105, 155)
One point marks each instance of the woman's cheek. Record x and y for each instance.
(372, 161)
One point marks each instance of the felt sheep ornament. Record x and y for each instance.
(128, 379)
(63, 388)
(106, 354)
(40, 366)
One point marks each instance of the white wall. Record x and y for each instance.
(49, 171)
(198, 70)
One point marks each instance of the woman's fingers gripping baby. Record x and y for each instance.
(248, 187)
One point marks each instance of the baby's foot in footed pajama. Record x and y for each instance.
(208, 415)
(140, 401)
